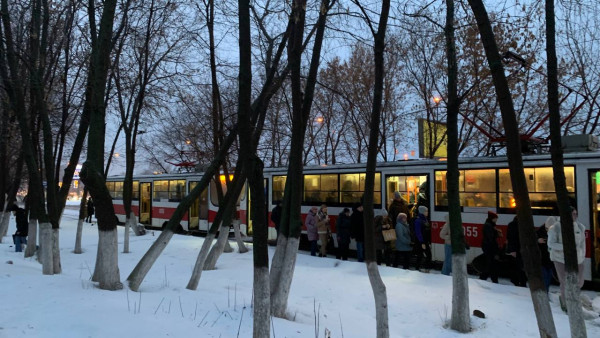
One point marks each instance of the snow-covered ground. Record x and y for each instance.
(326, 294)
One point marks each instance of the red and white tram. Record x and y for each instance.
(155, 198)
(484, 186)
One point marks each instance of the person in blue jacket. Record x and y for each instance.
(403, 242)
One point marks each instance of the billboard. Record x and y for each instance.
(433, 139)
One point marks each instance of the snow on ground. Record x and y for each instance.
(335, 294)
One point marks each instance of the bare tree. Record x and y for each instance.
(573, 301)
(284, 260)
(529, 247)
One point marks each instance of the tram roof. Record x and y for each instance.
(541, 159)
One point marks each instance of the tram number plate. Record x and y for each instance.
(471, 231)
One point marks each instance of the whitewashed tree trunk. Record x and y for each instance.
(217, 249)
(227, 248)
(238, 237)
(4, 218)
(78, 237)
(46, 247)
(139, 272)
(134, 224)
(286, 264)
(200, 261)
(99, 258)
(573, 302)
(460, 319)
(130, 223)
(108, 270)
(261, 303)
(56, 252)
(380, 295)
(540, 298)
(31, 238)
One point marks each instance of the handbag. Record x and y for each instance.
(389, 235)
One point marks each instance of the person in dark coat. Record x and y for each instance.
(513, 248)
(20, 236)
(343, 227)
(542, 235)
(398, 205)
(276, 217)
(358, 231)
(423, 239)
(490, 247)
(90, 210)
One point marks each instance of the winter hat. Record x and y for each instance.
(550, 221)
(397, 195)
(422, 209)
(492, 215)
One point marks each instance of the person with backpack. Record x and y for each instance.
(422, 247)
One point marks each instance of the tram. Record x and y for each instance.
(484, 186)
(155, 198)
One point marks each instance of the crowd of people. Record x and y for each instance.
(412, 238)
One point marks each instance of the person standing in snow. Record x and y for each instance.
(343, 227)
(490, 247)
(20, 236)
(542, 235)
(423, 239)
(403, 246)
(557, 255)
(398, 205)
(323, 229)
(90, 210)
(276, 216)
(358, 231)
(311, 229)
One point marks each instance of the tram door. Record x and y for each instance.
(412, 188)
(145, 203)
(595, 222)
(198, 210)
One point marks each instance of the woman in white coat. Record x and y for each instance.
(557, 255)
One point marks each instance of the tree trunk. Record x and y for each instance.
(284, 260)
(238, 237)
(379, 291)
(81, 218)
(31, 238)
(77, 249)
(4, 217)
(46, 248)
(107, 272)
(217, 249)
(145, 264)
(130, 222)
(573, 302)
(200, 261)
(56, 252)
(460, 320)
(529, 248)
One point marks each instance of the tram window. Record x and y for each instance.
(214, 195)
(477, 188)
(176, 190)
(161, 190)
(321, 188)
(111, 188)
(118, 192)
(540, 184)
(136, 190)
(278, 188)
